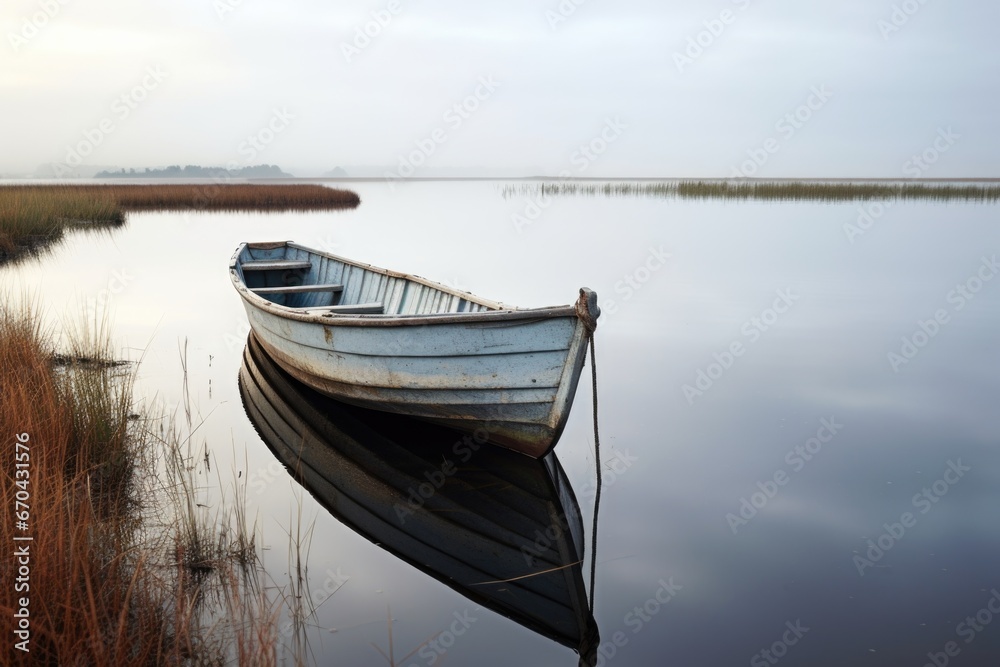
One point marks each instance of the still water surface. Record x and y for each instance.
(781, 467)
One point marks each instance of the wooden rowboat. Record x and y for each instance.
(503, 530)
(399, 343)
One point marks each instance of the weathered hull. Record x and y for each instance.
(500, 529)
(502, 374)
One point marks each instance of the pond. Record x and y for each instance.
(797, 403)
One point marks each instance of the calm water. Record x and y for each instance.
(750, 484)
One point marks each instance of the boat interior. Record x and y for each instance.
(295, 277)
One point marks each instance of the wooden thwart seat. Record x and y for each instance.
(297, 289)
(276, 265)
(374, 308)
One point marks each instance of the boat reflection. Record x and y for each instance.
(498, 527)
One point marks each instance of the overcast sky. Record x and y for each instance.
(158, 82)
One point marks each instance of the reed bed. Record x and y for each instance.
(32, 216)
(105, 584)
(86, 598)
(827, 191)
(227, 197)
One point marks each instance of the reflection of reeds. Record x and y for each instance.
(298, 598)
(32, 216)
(829, 191)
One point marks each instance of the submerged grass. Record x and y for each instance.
(32, 216)
(101, 582)
(824, 191)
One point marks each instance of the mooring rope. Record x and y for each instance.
(588, 312)
(597, 458)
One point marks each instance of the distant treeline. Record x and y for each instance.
(194, 171)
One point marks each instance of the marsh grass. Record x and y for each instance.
(121, 573)
(34, 216)
(825, 191)
(89, 600)
(225, 197)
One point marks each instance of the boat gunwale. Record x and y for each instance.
(498, 311)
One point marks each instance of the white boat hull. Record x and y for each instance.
(503, 375)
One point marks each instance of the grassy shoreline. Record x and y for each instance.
(123, 567)
(32, 216)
